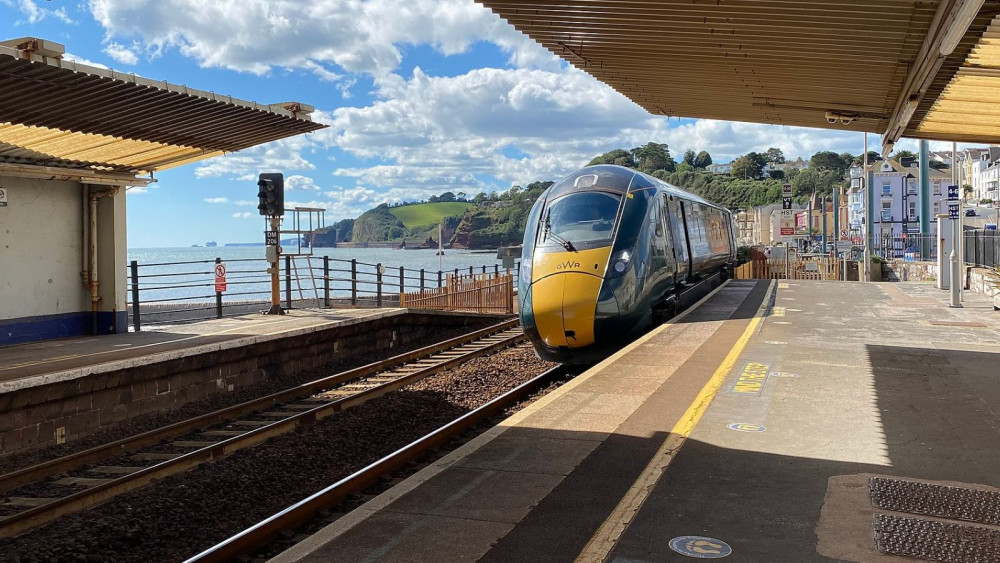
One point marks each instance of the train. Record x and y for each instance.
(608, 251)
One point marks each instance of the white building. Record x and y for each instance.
(897, 201)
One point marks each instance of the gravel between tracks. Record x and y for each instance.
(184, 514)
(138, 425)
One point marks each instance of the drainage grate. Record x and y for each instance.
(956, 503)
(957, 323)
(936, 541)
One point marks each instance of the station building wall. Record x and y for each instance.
(41, 256)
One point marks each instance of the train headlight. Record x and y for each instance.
(619, 263)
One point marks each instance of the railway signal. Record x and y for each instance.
(271, 194)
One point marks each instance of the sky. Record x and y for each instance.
(421, 97)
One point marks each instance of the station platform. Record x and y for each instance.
(61, 391)
(24, 365)
(775, 421)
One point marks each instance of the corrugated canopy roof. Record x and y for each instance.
(64, 114)
(789, 62)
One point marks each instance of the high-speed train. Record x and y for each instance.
(608, 248)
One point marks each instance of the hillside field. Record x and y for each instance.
(425, 214)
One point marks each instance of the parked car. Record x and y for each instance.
(970, 212)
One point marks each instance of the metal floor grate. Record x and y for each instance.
(955, 503)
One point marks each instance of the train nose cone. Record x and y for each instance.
(563, 306)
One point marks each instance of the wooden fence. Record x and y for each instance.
(480, 293)
(814, 268)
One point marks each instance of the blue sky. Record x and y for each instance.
(421, 97)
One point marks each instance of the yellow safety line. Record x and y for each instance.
(600, 546)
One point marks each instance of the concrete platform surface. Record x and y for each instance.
(40, 363)
(750, 428)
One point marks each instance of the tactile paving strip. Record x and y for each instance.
(936, 541)
(955, 503)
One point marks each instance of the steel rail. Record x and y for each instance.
(37, 516)
(260, 534)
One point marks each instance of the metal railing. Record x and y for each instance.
(916, 246)
(171, 292)
(982, 247)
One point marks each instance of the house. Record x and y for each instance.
(896, 195)
(985, 175)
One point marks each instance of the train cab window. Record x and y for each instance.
(582, 218)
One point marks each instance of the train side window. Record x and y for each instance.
(657, 223)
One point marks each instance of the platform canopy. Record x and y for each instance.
(64, 115)
(925, 69)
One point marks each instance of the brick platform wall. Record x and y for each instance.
(34, 416)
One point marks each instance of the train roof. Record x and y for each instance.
(614, 178)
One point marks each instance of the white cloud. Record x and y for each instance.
(83, 61)
(121, 53)
(243, 215)
(279, 156)
(34, 14)
(217, 200)
(299, 182)
(358, 37)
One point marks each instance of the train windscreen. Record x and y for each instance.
(580, 220)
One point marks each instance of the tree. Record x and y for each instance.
(462, 196)
(433, 199)
(689, 157)
(812, 180)
(652, 157)
(447, 196)
(703, 160)
(620, 157)
(774, 156)
(750, 166)
(829, 160)
(479, 199)
(901, 154)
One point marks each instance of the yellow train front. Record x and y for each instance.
(605, 250)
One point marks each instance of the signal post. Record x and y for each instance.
(271, 195)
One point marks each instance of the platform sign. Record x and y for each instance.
(952, 193)
(220, 277)
(844, 234)
(786, 202)
(3, 197)
(786, 190)
(787, 223)
(952, 210)
(271, 238)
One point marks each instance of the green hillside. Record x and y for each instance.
(425, 214)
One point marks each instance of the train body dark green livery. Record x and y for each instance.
(605, 249)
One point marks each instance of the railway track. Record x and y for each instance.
(39, 494)
(254, 538)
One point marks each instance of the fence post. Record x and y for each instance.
(484, 268)
(218, 296)
(470, 272)
(354, 282)
(378, 280)
(456, 275)
(288, 282)
(402, 283)
(326, 282)
(134, 266)
(421, 280)
(496, 269)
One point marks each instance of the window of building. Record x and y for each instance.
(911, 186)
(912, 210)
(886, 190)
(937, 188)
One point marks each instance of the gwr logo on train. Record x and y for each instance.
(567, 265)
(752, 378)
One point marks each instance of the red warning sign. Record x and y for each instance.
(220, 277)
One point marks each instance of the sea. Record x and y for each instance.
(168, 275)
